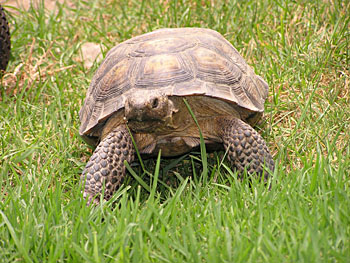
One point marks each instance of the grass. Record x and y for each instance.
(172, 212)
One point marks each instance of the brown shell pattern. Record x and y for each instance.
(175, 62)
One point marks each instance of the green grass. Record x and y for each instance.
(172, 211)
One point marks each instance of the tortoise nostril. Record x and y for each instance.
(155, 103)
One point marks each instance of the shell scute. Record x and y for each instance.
(162, 70)
(161, 46)
(212, 67)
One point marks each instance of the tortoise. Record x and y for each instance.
(139, 89)
(5, 43)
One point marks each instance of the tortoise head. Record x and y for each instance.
(144, 109)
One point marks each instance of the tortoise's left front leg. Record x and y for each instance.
(246, 149)
(106, 168)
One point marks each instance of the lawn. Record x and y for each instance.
(191, 208)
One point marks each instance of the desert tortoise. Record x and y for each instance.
(141, 85)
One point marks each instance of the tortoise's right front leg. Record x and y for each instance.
(106, 168)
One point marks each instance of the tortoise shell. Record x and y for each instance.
(172, 62)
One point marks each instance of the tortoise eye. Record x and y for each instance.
(155, 103)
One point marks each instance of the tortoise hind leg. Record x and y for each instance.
(246, 149)
(106, 168)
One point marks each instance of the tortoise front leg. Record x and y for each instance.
(106, 166)
(246, 149)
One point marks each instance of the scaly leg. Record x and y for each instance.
(106, 165)
(246, 148)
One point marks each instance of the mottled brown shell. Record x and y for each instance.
(175, 62)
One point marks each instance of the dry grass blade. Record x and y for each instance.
(31, 69)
